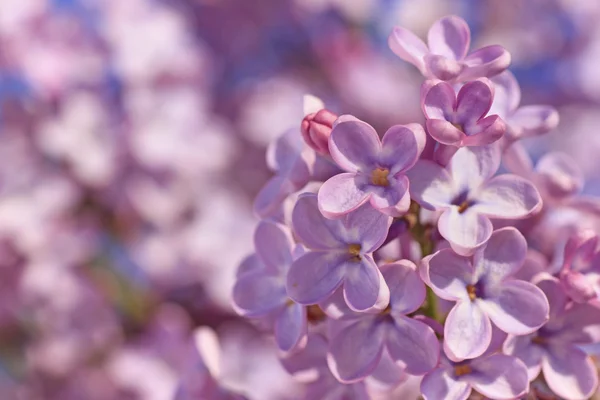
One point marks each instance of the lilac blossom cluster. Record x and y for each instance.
(402, 263)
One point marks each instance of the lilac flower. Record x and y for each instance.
(496, 376)
(555, 347)
(376, 168)
(468, 196)
(484, 290)
(521, 122)
(446, 57)
(341, 255)
(580, 272)
(460, 119)
(260, 288)
(356, 351)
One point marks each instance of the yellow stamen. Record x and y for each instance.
(379, 177)
(463, 207)
(462, 369)
(472, 291)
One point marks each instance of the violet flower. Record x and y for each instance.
(468, 196)
(260, 288)
(356, 351)
(555, 348)
(340, 255)
(485, 291)
(495, 376)
(580, 272)
(460, 119)
(446, 56)
(375, 168)
(521, 122)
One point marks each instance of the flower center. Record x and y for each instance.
(539, 340)
(463, 207)
(354, 250)
(459, 127)
(314, 314)
(462, 369)
(472, 291)
(379, 177)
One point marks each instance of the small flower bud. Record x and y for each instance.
(316, 129)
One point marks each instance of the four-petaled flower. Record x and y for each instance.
(260, 287)
(555, 349)
(460, 119)
(356, 351)
(468, 195)
(340, 254)
(484, 289)
(446, 57)
(376, 168)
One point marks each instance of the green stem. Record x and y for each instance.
(422, 234)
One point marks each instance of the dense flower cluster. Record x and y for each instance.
(382, 263)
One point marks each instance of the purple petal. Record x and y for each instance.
(341, 194)
(290, 328)
(273, 243)
(315, 276)
(486, 131)
(335, 306)
(408, 47)
(470, 167)
(364, 286)
(401, 147)
(366, 226)
(355, 352)
(284, 152)
(502, 256)
(444, 132)
(516, 160)
(443, 68)
(273, 193)
(570, 373)
(448, 274)
(407, 290)
(438, 101)
(465, 231)
(555, 294)
(499, 377)
(507, 94)
(474, 101)
(388, 375)
(507, 196)
(468, 331)
(306, 365)
(413, 345)
(354, 145)
(257, 294)
(533, 120)
(393, 200)
(530, 354)
(517, 307)
(311, 227)
(440, 384)
(249, 264)
(431, 185)
(485, 62)
(449, 37)
(560, 174)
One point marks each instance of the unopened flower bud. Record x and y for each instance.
(316, 129)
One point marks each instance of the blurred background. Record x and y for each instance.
(132, 143)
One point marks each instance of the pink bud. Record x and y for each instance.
(316, 129)
(577, 287)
